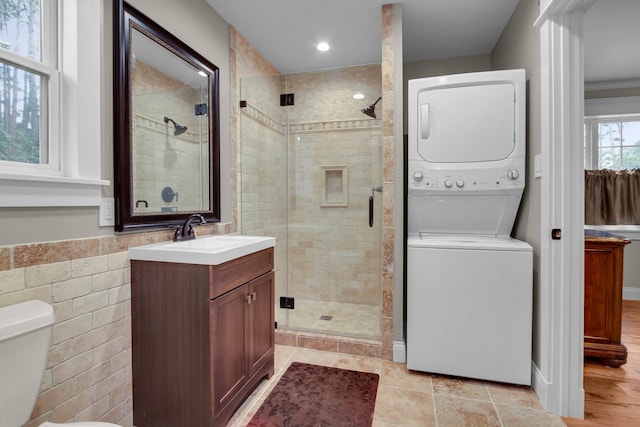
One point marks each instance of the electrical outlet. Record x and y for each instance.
(107, 214)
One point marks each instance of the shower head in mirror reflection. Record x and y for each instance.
(177, 129)
(371, 109)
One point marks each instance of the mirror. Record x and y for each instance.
(166, 140)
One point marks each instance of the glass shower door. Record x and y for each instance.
(313, 181)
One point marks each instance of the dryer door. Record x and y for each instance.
(462, 124)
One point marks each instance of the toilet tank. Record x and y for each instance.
(25, 332)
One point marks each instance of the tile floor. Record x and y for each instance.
(417, 399)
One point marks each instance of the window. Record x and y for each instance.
(50, 102)
(612, 142)
(28, 85)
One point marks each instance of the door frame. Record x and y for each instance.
(558, 369)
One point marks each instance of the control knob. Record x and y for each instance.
(513, 174)
(448, 183)
(460, 183)
(418, 176)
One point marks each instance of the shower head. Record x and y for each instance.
(370, 110)
(177, 129)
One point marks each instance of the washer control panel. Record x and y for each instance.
(422, 178)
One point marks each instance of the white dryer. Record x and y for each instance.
(469, 284)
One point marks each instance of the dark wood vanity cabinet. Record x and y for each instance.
(603, 266)
(202, 338)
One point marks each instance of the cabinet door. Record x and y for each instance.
(261, 320)
(603, 292)
(229, 345)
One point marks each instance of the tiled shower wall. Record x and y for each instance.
(333, 254)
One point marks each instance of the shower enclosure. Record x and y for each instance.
(311, 175)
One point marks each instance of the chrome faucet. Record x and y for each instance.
(186, 232)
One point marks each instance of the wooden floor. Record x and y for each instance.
(613, 394)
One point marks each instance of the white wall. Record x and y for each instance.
(198, 25)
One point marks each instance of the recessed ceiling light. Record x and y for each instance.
(202, 73)
(358, 96)
(323, 46)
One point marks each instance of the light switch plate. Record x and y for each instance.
(538, 165)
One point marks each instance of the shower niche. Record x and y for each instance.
(335, 186)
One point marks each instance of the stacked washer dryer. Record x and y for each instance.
(469, 284)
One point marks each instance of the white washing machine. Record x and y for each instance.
(469, 307)
(469, 284)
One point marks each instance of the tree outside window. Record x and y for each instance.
(21, 134)
(614, 142)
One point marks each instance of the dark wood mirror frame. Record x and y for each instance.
(125, 16)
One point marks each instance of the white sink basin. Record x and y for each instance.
(209, 250)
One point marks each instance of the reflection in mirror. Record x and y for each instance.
(170, 141)
(166, 127)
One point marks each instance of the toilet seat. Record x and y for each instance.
(80, 424)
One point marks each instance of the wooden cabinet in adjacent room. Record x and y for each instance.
(202, 338)
(603, 267)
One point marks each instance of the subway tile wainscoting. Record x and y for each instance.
(88, 373)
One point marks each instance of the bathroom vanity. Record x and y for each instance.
(202, 333)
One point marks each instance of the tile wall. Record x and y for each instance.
(88, 372)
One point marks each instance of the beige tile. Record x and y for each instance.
(459, 387)
(314, 357)
(88, 266)
(318, 343)
(53, 397)
(287, 338)
(514, 395)
(358, 363)
(455, 412)
(73, 406)
(245, 412)
(95, 411)
(360, 348)
(70, 289)
(12, 280)
(47, 274)
(92, 376)
(397, 375)
(72, 367)
(397, 406)
(5, 259)
(282, 355)
(46, 253)
(71, 328)
(517, 416)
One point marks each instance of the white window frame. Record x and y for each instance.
(591, 135)
(73, 62)
(47, 68)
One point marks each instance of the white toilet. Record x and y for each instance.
(25, 331)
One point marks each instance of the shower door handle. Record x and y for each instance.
(373, 192)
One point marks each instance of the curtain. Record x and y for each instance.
(612, 197)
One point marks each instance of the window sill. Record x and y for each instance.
(631, 232)
(49, 191)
